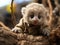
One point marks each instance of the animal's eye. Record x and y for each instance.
(32, 15)
(39, 16)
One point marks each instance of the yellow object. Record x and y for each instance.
(8, 8)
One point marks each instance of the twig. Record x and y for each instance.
(50, 10)
(12, 14)
(5, 27)
(44, 2)
(56, 3)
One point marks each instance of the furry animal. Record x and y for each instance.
(34, 21)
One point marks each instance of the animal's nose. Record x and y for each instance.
(35, 21)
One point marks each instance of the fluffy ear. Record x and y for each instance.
(23, 10)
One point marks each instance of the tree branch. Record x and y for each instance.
(12, 14)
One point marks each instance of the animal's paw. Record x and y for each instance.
(46, 32)
(17, 30)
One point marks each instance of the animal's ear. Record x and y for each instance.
(23, 10)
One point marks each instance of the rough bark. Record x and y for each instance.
(7, 37)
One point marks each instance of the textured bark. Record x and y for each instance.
(55, 37)
(7, 37)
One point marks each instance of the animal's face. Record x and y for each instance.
(35, 14)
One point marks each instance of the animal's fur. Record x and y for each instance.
(26, 24)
